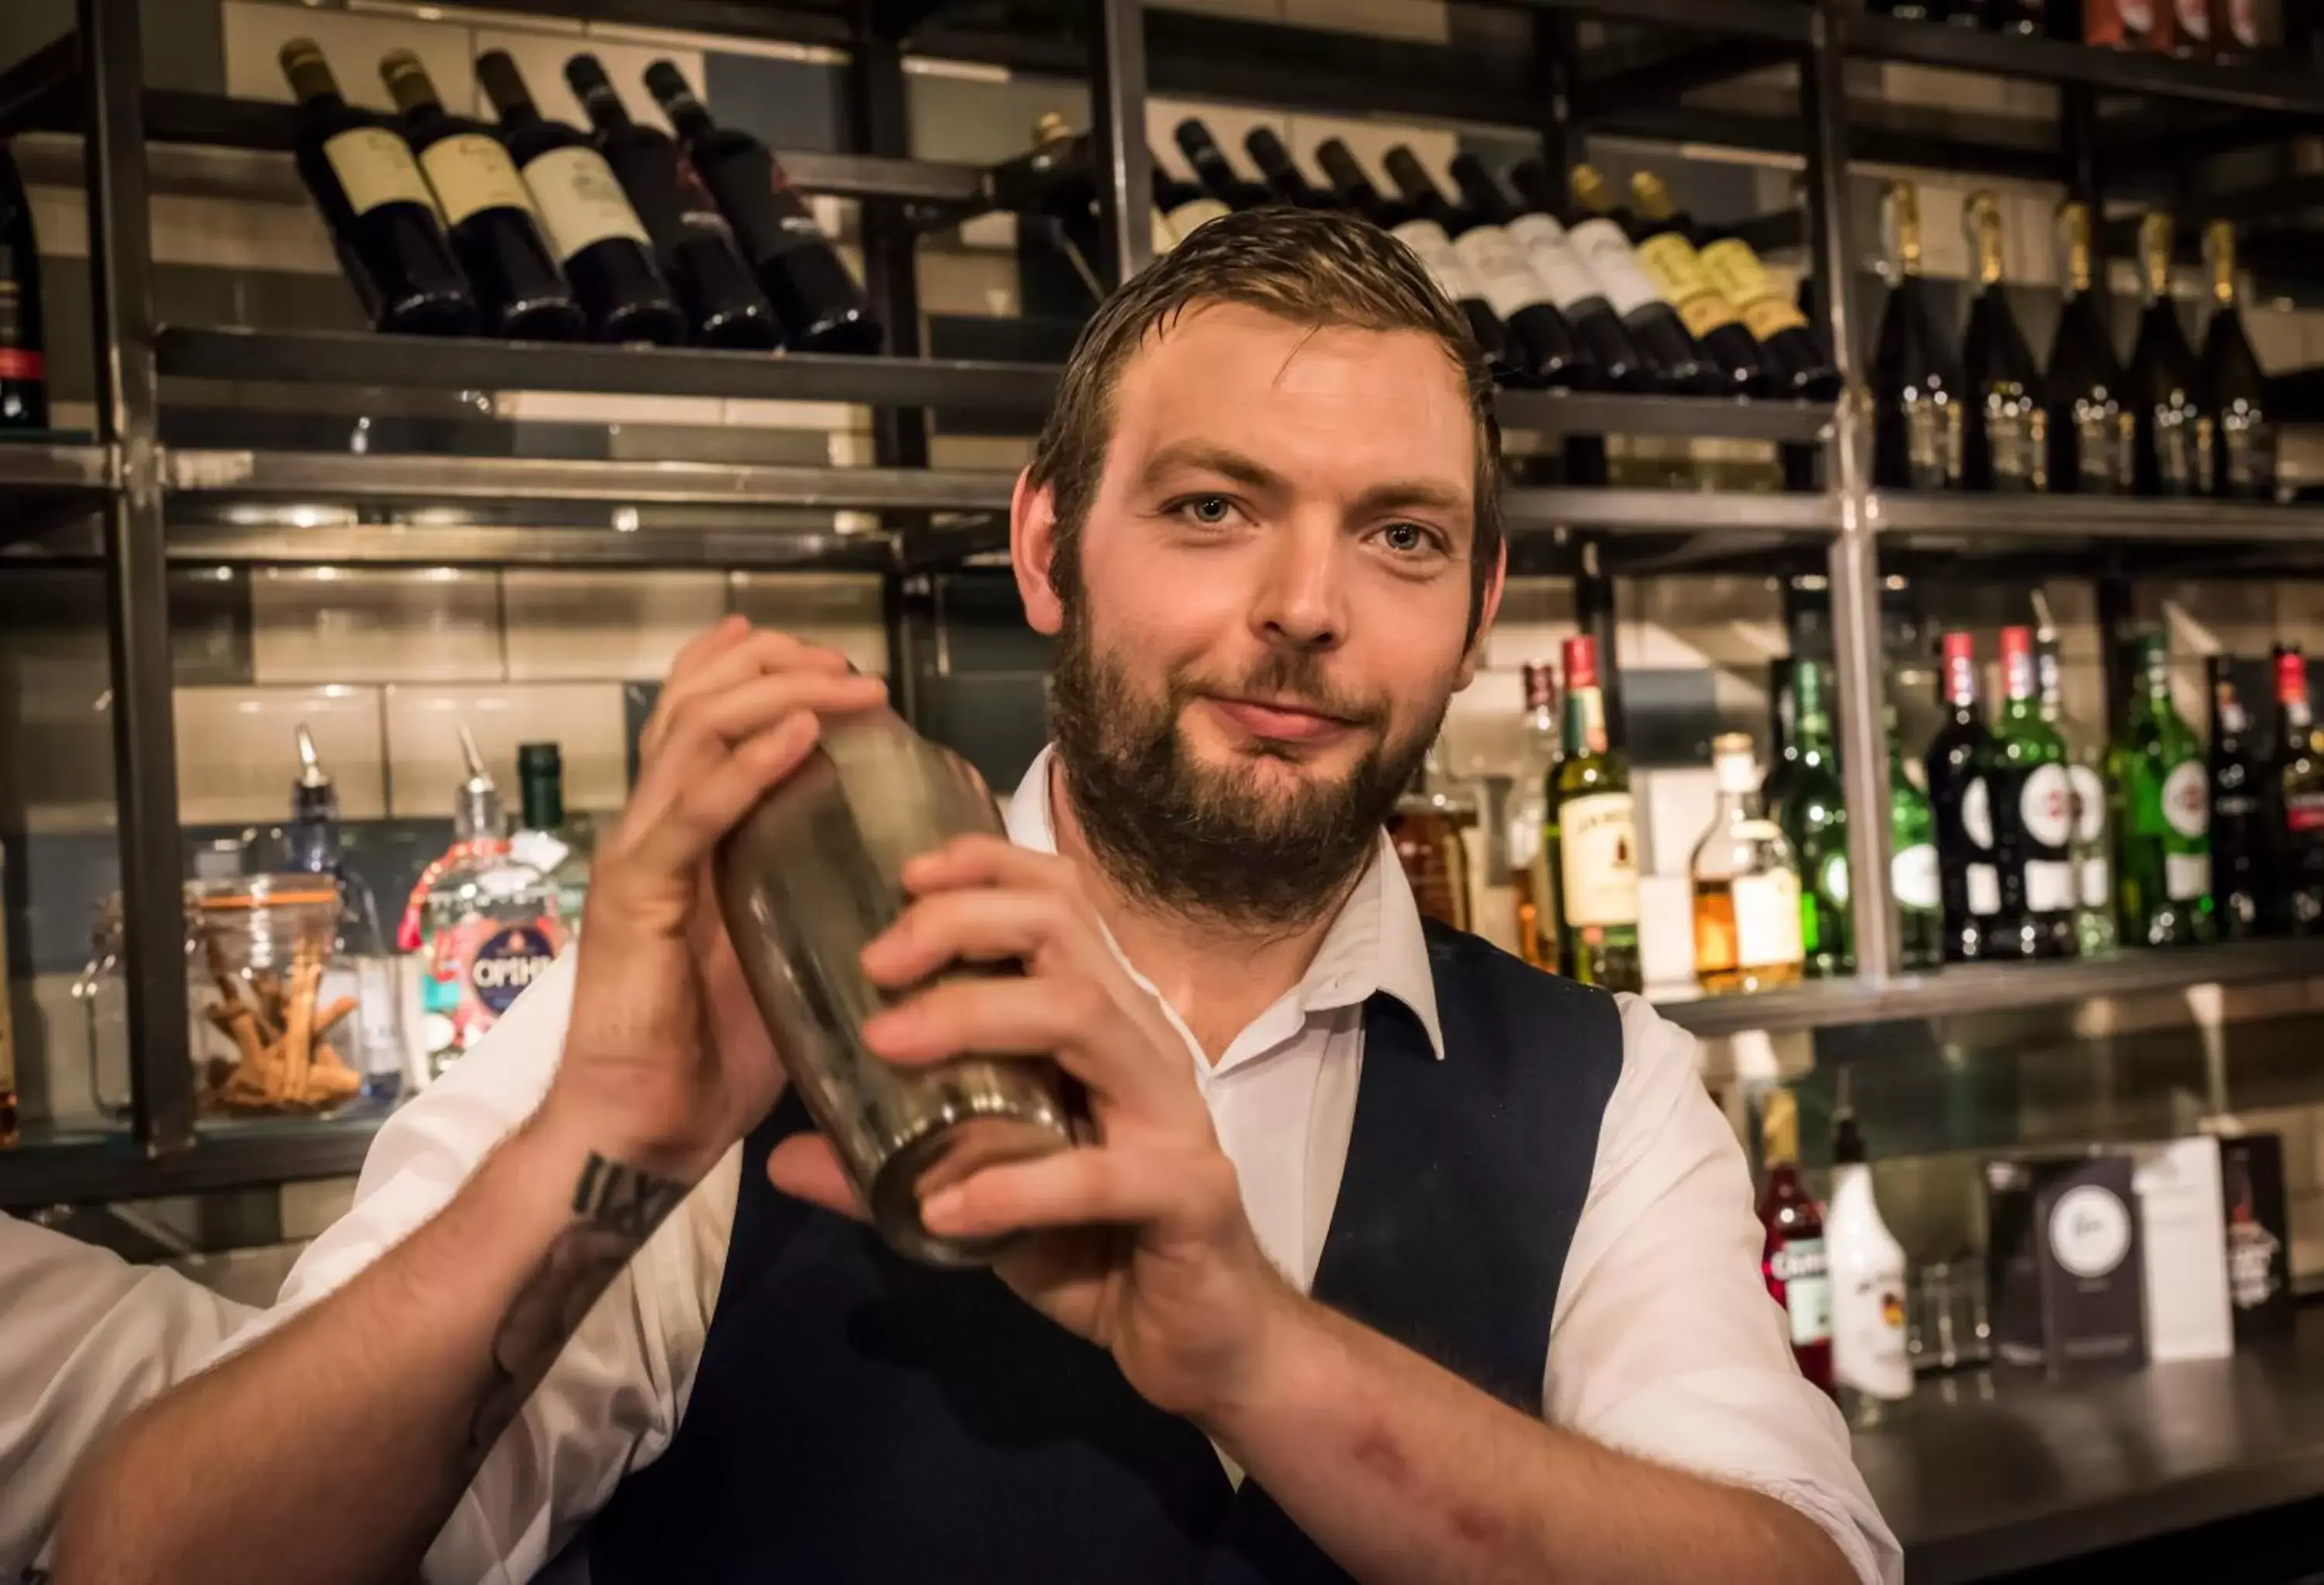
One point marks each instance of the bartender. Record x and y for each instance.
(1390, 1258)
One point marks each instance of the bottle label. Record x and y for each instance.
(2186, 876)
(1984, 890)
(1912, 877)
(1500, 269)
(1670, 262)
(2249, 442)
(2252, 1252)
(471, 172)
(22, 362)
(1615, 264)
(2187, 800)
(1867, 1333)
(1932, 441)
(580, 202)
(2046, 806)
(508, 961)
(1801, 1267)
(2104, 439)
(478, 966)
(1426, 239)
(2304, 811)
(1977, 814)
(2089, 1230)
(374, 166)
(1597, 852)
(1738, 276)
(2098, 883)
(2017, 441)
(1551, 253)
(2089, 805)
(2050, 887)
(1767, 919)
(2175, 444)
(1201, 211)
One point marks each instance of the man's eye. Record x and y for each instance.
(1210, 510)
(1405, 538)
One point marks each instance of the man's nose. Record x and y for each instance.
(1302, 600)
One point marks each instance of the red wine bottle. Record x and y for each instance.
(23, 368)
(1597, 330)
(1796, 356)
(2090, 428)
(1660, 231)
(1425, 237)
(1656, 329)
(2002, 444)
(382, 219)
(592, 227)
(1216, 172)
(2243, 455)
(1542, 348)
(696, 248)
(495, 235)
(818, 303)
(1282, 171)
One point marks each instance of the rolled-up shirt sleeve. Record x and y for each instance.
(612, 1401)
(1665, 1342)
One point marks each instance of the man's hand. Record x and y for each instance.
(667, 1062)
(1140, 1240)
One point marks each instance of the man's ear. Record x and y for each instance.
(1488, 609)
(1033, 550)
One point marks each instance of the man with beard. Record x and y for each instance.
(1390, 1257)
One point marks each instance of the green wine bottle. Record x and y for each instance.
(2162, 814)
(1814, 818)
(1913, 862)
(1596, 837)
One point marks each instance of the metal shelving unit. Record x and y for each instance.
(160, 504)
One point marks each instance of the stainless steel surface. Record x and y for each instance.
(1972, 520)
(1807, 517)
(37, 465)
(1125, 165)
(775, 548)
(812, 876)
(1578, 412)
(1981, 1474)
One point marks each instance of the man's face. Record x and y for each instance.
(1271, 610)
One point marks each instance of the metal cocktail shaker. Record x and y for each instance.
(807, 879)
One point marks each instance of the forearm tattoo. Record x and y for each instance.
(615, 1209)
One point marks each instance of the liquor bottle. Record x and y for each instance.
(1792, 1256)
(2241, 885)
(2243, 451)
(1679, 363)
(2299, 778)
(2170, 415)
(816, 301)
(1216, 172)
(2003, 420)
(1917, 393)
(1747, 886)
(2091, 442)
(1912, 877)
(555, 847)
(360, 966)
(1958, 799)
(2162, 814)
(691, 239)
(1783, 739)
(1795, 352)
(1428, 831)
(1814, 818)
(1543, 350)
(592, 229)
(488, 925)
(1662, 236)
(383, 222)
(495, 235)
(1597, 839)
(1869, 1363)
(2030, 804)
(1530, 862)
(1289, 182)
(1605, 343)
(2092, 852)
(1425, 237)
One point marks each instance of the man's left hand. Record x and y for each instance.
(1139, 1240)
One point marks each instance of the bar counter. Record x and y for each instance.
(1986, 1472)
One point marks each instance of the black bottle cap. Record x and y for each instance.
(1847, 1142)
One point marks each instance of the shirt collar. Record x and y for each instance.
(1375, 944)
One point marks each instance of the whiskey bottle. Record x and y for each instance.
(1429, 834)
(1747, 887)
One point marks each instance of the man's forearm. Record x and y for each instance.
(394, 1387)
(1404, 1472)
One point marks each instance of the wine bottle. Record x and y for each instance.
(1425, 237)
(384, 221)
(592, 227)
(1678, 361)
(1542, 346)
(1800, 364)
(2092, 852)
(1958, 796)
(1289, 182)
(2241, 884)
(691, 239)
(2162, 814)
(1783, 739)
(816, 301)
(1185, 205)
(1216, 172)
(23, 366)
(2299, 797)
(2171, 424)
(495, 235)
(1912, 876)
(1667, 251)
(2003, 419)
(2242, 452)
(2030, 802)
(1597, 330)
(2090, 439)
(1594, 836)
(1814, 818)
(1916, 388)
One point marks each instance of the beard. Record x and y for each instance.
(1218, 841)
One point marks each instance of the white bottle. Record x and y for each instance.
(1868, 1357)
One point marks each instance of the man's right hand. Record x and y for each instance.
(667, 1062)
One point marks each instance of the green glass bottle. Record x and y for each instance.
(2031, 797)
(1595, 837)
(1913, 862)
(1814, 818)
(2162, 813)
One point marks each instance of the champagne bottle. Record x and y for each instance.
(1668, 253)
(1916, 388)
(2162, 814)
(2090, 440)
(2242, 452)
(1424, 236)
(1597, 839)
(2030, 800)
(2242, 887)
(2004, 446)
(1603, 343)
(1542, 346)
(1669, 351)
(2172, 426)
(1814, 818)
(1961, 803)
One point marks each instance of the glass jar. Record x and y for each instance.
(102, 994)
(277, 1009)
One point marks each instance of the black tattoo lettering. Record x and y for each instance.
(615, 1209)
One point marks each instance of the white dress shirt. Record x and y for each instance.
(1663, 1342)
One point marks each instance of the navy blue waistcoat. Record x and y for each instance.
(859, 1419)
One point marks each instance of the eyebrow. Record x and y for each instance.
(1245, 471)
(1411, 494)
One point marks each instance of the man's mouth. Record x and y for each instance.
(1280, 720)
